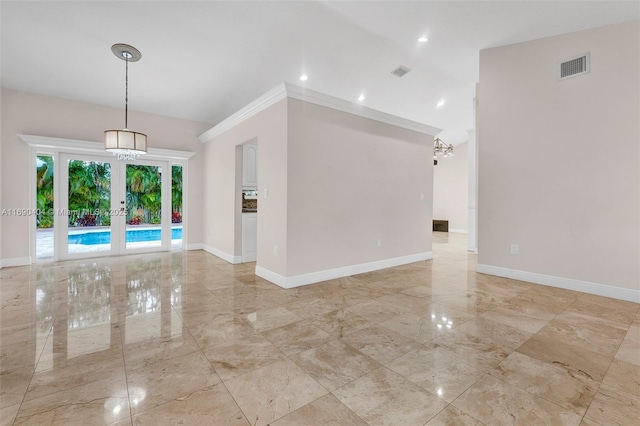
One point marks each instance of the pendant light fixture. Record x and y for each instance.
(441, 148)
(125, 144)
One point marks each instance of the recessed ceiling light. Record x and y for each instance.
(361, 97)
(303, 77)
(440, 104)
(423, 39)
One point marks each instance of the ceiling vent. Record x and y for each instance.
(400, 71)
(574, 67)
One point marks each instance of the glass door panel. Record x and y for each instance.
(85, 213)
(144, 206)
(45, 181)
(111, 207)
(176, 206)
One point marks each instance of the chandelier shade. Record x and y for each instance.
(125, 144)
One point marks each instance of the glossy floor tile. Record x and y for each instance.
(187, 338)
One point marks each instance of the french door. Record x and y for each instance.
(111, 207)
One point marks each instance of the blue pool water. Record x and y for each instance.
(133, 236)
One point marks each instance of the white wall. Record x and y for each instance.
(1, 179)
(451, 189)
(352, 181)
(336, 183)
(24, 113)
(223, 180)
(559, 162)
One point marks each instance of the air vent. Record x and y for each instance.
(574, 67)
(400, 71)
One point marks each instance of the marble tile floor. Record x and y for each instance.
(186, 338)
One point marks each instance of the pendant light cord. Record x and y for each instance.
(126, 94)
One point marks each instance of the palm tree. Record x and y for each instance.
(176, 194)
(44, 191)
(89, 191)
(144, 193)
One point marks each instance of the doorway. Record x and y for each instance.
(110, 207)
(91, 205)
(153, 188)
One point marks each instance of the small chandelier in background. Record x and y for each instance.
(441, 148)
(125, 144)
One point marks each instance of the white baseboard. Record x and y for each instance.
(605, 290)
(345, 271)
(221, 254)
(15, 261)
(273, 277)
(458, 231)
(196, 246)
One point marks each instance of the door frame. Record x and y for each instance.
(165, 224)
(61, 203)
(46, 145)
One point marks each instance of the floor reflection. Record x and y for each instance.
(187, 338)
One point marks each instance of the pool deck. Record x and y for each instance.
(44, 241)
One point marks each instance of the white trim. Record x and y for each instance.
(195, 246)
(33, 191)
(472, 184)
(15, 261)
(185, 199)
(288, 90)
(273, 277)
(345, 271)
(560, 282)
(80, 146)
(249, 258)
(263, 102)
(318, 98)
(221, 254)
(458, 231)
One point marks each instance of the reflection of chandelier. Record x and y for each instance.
(441, 148)
(125, 144)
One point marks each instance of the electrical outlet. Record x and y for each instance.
(275, 250)
(421, 197)
(266, 193)
(379, 242)
(514, 248)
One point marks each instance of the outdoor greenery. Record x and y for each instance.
(44, 185)
(144, 196)
(90, 193)
(176, 194)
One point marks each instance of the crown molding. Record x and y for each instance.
(263, 102)
(288, 90)
(322, 99)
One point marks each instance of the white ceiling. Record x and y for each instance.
(205, 60)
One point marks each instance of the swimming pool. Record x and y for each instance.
(133, 236)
